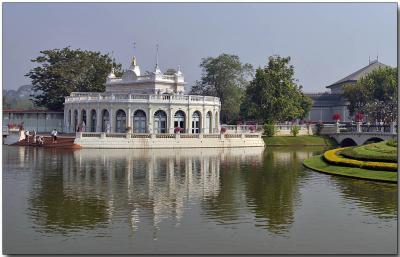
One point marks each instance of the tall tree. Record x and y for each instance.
(62, 71)
(226, 77)
(273, 95)
(375, 95)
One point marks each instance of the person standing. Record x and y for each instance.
(27, 136)
(54, 135)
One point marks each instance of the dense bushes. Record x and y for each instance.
(269, 130)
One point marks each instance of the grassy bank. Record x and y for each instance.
(318, 164)
(299, 141)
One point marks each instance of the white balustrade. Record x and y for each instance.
(78, 97)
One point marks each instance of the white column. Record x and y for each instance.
(203, 122)
(129, 119)
(150, 121)
(171, 120)
(112, 120)
(189, 121)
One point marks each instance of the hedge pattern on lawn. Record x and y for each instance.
(352, 153)
(317, 163)
(333, 157)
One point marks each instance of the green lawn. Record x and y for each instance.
(298, 141)
(318, 164)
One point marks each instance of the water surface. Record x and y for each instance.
(245, 200)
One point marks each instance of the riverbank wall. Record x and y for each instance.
(145, 140)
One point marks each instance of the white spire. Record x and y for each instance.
(156, 68)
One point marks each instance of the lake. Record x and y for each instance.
(232, 201)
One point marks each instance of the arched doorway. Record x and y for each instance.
(179, 120)
(105, 121)
(160, 122)
(93, 119)
(69, 120)
(75, 125)
(139, 122)
(208, 125)
(196, 122)
(120, 125)
(83, 120)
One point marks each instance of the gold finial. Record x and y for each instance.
(134, 61)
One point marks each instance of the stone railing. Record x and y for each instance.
(83, 97)
(103, 135)
(359, 128)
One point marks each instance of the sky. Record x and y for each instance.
(326, 41)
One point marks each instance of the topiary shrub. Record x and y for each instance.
(269, 130)
(295, 130)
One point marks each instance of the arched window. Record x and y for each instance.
(208, 125)
(160, 122)
(75, 120)
(83, 118)
(139, 122)
(120, 126)
(216, 122)
(105, 121)
(196, 122)
(93, 119)
(179, 119)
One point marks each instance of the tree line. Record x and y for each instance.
(268, 94)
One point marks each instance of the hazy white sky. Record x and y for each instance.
(326, 41)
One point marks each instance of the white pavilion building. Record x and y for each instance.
(150, 103)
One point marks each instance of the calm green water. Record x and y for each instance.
(189, 201)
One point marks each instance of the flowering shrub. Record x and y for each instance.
(252, 128)
(223, 130)
(15, 125)
(332, 157)
(336, 117)
(359, 116)
(178, 130)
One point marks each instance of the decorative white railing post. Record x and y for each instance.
(102, 135)
(337, 127)
(393, 127)
(359, 130)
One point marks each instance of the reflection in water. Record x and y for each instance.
(375, 198)
(87, 187)
(99, 189)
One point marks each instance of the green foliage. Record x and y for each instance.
(392, 143)
(319, 127)
(295, 130)
(62, 71)
(225, 77)
(274, 96)
(375, 95)
(269, 130)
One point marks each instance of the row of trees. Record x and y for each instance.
(271, 95)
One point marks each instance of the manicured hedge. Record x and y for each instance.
(333, 157)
